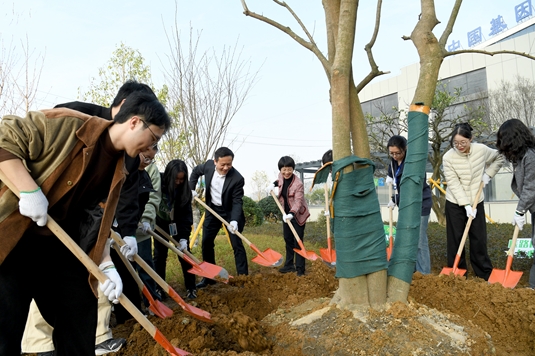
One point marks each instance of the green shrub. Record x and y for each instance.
(270, 210)
(253, 214)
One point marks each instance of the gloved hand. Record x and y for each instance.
(287, 217)
(113, 286)
(391, 204)
(485, 179)
(270, 188)
(183, 245)
(34, 205)
(326, 213)
(519, 220)
(129, 249)
(145, 227)
(470, 211)
(389, 180)
(194, 194)
(233, 226)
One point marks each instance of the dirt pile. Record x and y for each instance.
(262, 314)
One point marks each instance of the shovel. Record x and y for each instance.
(329, 254)
(203, 269)
(158, 308)
(268, 258)
(455, 270)
(309, 255)
(506, 277)
(391, 237)
(95, 271)
(190, 309)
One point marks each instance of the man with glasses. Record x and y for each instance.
(38, 333)
(61, 161)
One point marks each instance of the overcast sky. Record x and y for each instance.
(287, 112)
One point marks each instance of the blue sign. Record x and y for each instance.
(454, 45)
(523, 10)
(474, 37)
(497, 25)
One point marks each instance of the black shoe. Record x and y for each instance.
(111, 345)
(287, 269)
(300, 273)
(205, 282)
(191, 294)
(48, 353)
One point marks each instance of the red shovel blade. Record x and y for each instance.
(211, 271)
(268, 258)
(390, 248)
(158, 308)
(328, 255)
(507, 278)
(455, 270)
(175, 351)
(190, 309)
(309, 255)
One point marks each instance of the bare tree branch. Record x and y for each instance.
(489, 53)
(449, 27)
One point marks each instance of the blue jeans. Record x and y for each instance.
(423, 259)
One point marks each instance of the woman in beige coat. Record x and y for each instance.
(465, 167)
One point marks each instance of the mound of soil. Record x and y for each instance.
(269, 313)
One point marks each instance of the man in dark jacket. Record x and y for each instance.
(224, 194)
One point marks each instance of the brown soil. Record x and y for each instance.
(269, 313)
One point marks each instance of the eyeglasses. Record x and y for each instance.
(146, 160)
(461, 143)
(395, 154)
(154, 137)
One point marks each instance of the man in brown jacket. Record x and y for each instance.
(61, 160)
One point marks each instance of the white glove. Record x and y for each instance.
(129, 249)
(233, 226)
(287, 217)
(34, 205)
(470, 211)
(270, 188)
(519, 220)
(113, 286)
(389, 180)
(194, 194)
(326, 213)
(145, 227)
(183, 245)
(391, 204)
(485, 179)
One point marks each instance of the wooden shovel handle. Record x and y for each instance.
(170, 238)
(129, 267)
(328, 220)
(87, 262)
(511, 251)
(237, 233)
(287, 222)
(469, 222)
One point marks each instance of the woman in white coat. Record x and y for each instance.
(465, 167)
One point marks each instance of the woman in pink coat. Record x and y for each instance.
(292, 198)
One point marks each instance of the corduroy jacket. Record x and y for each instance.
(55, 146)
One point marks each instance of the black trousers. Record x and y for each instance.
(291, 243)
(130, 289)
(210, 228)
(160, 262)
(42, 268)
(456, 220)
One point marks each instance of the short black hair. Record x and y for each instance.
(327, 157)
(129, 87)
(398, 141)
(223, 152)
(147, 107)
(286, 161)
(464, 129)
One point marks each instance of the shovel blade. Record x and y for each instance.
(195, 312)
(175, 351)
(309, 255)
(211, 271)
(268, 258)
(158, 308)
(328, 255)
(456, 271)
(508, 280)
